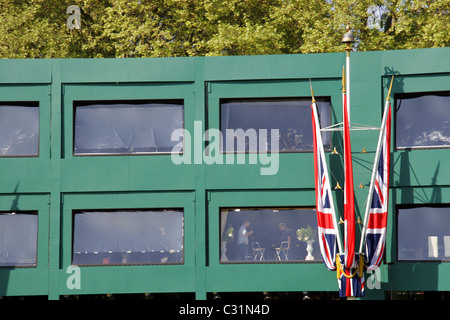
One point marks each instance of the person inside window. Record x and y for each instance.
(242, 240)
(285, 234)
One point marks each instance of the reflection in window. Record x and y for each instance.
(268, 234)
(126, 128)
(128, 237)
(424, 233)
(19, 129)
(292, 117)
(18, 234)
(423, 120)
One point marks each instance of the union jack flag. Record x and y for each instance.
(375, 235)
(326, 223)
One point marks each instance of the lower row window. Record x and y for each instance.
(128, 237)
(247, 235)
(424, 233)
(18, 244)
(268, 234)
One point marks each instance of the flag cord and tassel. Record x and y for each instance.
(359, 270)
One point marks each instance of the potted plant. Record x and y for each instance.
(307, 235)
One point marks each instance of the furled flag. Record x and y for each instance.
(349, 200)
(375, 233)
(350, 266)
(326, 219)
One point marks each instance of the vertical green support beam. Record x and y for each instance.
(200, 192)
(55, 191)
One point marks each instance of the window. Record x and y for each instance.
(292, 117)
(268, 234)
(423, 120)
(19, 128)
(127, 127)
(18, 244)
(424, 233)
(128, 237)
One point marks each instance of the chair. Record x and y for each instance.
(284, 248)
(257, 251)
(446, 246)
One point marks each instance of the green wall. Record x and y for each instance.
(56, 182)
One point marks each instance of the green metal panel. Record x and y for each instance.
(116, 172)
(24, 281)
(267, 276)
(126, 279)
(30, 174)
(295, 170)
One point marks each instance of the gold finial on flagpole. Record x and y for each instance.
(364, 150)
(348, 40)
(334, 151)
(361, 186)
(337, 186)
(312, 93)
(343, 79)
(390, 87)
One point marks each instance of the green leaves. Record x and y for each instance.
(160, 28)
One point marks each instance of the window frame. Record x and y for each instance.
(327, 99)
(30, 104)
(183, 233)
(293, 233)
(81, 103)
(36, 247)
(403, 95)
(397, 248)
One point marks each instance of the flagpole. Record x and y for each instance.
(349, 214)
(348, 40)
(375, 166)
(322, 156)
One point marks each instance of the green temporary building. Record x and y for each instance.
(135, 176)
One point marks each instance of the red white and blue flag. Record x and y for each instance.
(349, 264)
(326, 221)
(349, 200)
(375, 234)
(350, 277)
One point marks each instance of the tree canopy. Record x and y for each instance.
(161, 28)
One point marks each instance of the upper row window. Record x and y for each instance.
(423, 120)
(250, 121)
(139, 127)
(126, 127)
(19, 129)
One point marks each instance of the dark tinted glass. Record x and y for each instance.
(423, 120)
(19, 129)
(126, 128)
(263, 234)
(292, 117)
(18, 234)
(424, 233)
(128, 237)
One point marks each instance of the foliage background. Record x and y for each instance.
(160, 28)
